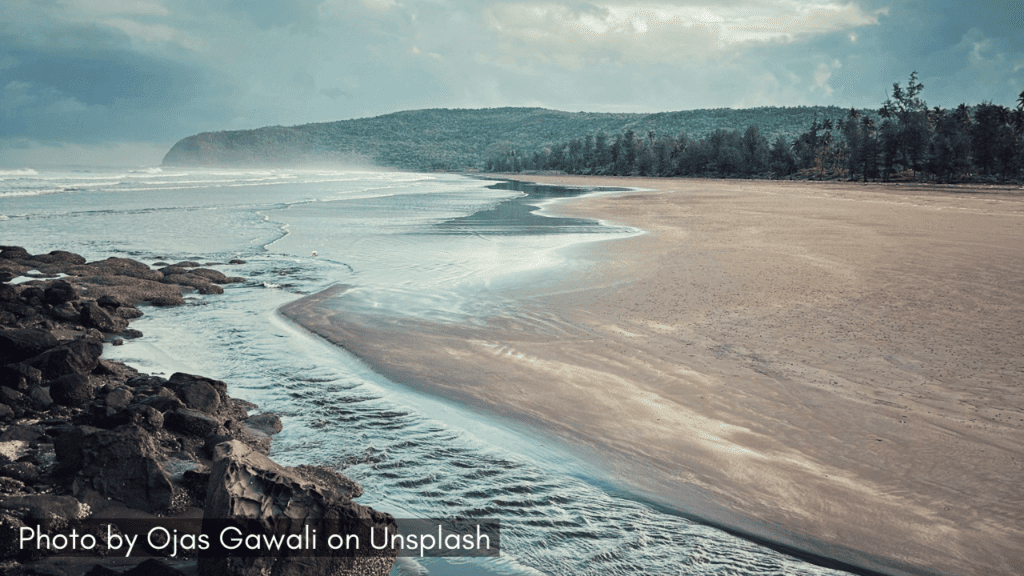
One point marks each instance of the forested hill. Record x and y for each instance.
(443, 139)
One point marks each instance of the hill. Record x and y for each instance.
(443, 139)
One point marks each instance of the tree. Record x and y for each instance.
(781, 161)
(911, 114)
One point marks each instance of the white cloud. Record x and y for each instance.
(101, 7)
(154, 32)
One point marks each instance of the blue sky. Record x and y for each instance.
(119, 81)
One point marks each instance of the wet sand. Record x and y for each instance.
(833, 367)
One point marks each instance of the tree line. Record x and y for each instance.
(903, 139)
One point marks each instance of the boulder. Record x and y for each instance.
(201, 393)
(125, 267)
(94, 316)
(267, 423)
(23, 471)
(191, 423)
(14, 253)
(59, 292)
(124, 465)
(60, 257)
(40, 397)
(66, 312)
(47, 507)
(246, 485)
(22, 344)
(78, 357)
(20, 376)
(73, 390)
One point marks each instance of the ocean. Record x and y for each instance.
(441, 247)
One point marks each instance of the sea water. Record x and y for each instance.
(438, 247)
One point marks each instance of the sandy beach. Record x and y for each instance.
(832, 367)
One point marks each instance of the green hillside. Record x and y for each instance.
(443, 139)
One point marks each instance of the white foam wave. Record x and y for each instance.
(17, 173)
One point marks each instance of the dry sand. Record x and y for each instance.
(835, 367)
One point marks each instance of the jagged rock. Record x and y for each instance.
(236, 261)
(6, 412)
(187, 264)
(40, 397)
(202, 285)
(267, 423)
(66, 312)
(60, 292)
(168, 301)
(22, 344)
(129, 312)
(60, 257)
(146, 416)
(78, 357)
(201, 393)
(211, 275)
(9, 293)
(22, 432)
(23, 471)
(11, 397)
(245, 484)
(145, 381)
(109, 301)
(67, 445)
(74, 390)
(191, 422)
(121, 464)
(118, 398)
(94, 316)
(20, 376)
(161, 403)
(34, 295)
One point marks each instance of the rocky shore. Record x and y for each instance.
(84, 438)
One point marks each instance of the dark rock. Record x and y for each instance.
(60, 292)
(254, 438)
(6, 412)
(20, 376)
(23, 471)
(163, 402)
(74, 390)
(10, 530)
(245, 484)
(124, 465)
(236, 261)
(129, 312)
(119, 398)
(167, 301)
(9, 293)
(191, 422)
(117, 342)
(14, 253)
(199, 396)
(40, 397)
(23, 432)
(109, 301)
(125, 267)
(11, 486)
(196, 483)
(22, 344)
(212, 441)
(99, 570)
(66, 312)
(35, 293)
(267, 423)
(211, 275)
(6, 276)
(131, 334)
(153, 567)
(67, 445)
(78, 357)
(146, 416)
(60, 257)
(202, 285)
(94, 316)
(145, 381)
(47, 507)
(11, 397)
(187, 264)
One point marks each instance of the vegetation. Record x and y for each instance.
(902, 139)
(443, 139)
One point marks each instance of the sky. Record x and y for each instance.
(117, 82)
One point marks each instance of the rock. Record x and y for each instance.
(40, 397)
(124, 465)
(118, 398)
(23, 433)
(163, 401)
(11, 397)
(131, 334)
(211, 275)
(66, 312)
(167, 301)
(14, 253)
(34, 295)
(187, 264)
(47, 507)
(267, 423)
(236, 261)
(125, 267)
(78, 357)
(153, 567)
(23, 471)
(60, 292)
(245, 484)
(94, 316)
(22, 344)
(146, 416)
(200, 392)
(20, 376)
(60, 257)
(67, 445)
(74, 390)
(6, 412)
(129, 312)
(191, 422)
(109, 301)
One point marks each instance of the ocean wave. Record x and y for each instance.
(18, 173)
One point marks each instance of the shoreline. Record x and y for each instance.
(777, 358)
